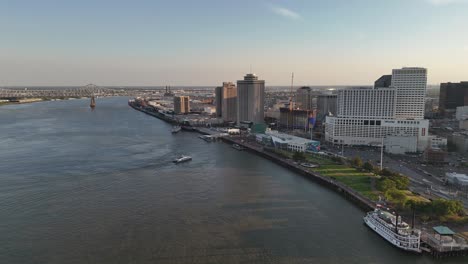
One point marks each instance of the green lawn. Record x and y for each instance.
(357, 180)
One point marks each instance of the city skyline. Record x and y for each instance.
(188, 43)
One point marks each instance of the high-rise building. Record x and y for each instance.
(181, 104)
(250, 99)
(229, 102)
(410, 85)
(366, 116)
(452, 95)
(326, 105)
(305, 98)
(219, 101)
(294, 119)
(383, 82)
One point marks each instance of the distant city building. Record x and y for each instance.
(463, 124)
(250, 99)
(457, 178)
(431, 106)
(219, 101)
(462, 113)
(305, 99)
(460, 141)
(436, 142)
(168, 92)
(383, 82)
(435, 156)
(366, 116)
(326, 105)
(209, 110)
(401, 144)
(181, 104)
(452, 95)
(229, 102)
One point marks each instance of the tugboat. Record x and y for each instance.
(394, 230)
(182, 159)
(176, 129)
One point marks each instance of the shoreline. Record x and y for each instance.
(357, 199)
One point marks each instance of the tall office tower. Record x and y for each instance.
(250, 99)
(219, 101)
(383, 82)
(452, 95)
(304, 98)
(326, 104)
(366, 116)
(181, 104)
(229, 103)
(410, 85)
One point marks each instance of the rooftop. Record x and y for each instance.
(443, 230)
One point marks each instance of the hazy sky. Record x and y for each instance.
(205, 42)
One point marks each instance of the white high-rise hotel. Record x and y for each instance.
(365, 116)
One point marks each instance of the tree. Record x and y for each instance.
(356, 162)
(396, 196)
(367, 166)
(385, 184)
(401, 181)
(298, 156)
(386, 172)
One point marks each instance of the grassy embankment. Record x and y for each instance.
(359, 181)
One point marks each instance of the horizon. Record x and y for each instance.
(116, 43)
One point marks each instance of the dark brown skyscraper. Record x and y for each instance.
(452, 95)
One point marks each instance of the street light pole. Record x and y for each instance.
(381, 154)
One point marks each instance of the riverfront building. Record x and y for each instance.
(181, 104)
(283, 141)
(367, 116)
(250, 99)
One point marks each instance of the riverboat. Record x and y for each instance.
(394, 230)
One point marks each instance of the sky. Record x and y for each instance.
(206, 42)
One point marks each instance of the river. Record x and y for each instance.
(83, 186)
